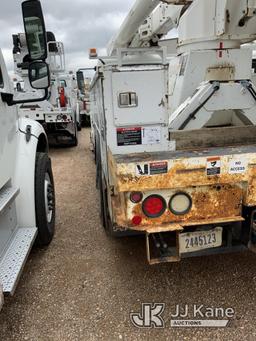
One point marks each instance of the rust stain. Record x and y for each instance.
(175, 178)
(119, 209)
(214, 197)
(250, 199)
(215, 202)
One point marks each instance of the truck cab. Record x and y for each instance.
(27, 197)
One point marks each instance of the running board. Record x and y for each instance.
(15, 258)
(7, 195)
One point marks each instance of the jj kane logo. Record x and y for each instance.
(151, 316)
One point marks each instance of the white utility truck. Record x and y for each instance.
(174, 134)
(84, 84)
(27, 198)
(57, 113)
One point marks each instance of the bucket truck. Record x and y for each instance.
(57, 113)
(27, 199)
(174, 135)
(84, 96)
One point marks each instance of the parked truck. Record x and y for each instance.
(174, 135)
(58, 113)
(84, 84)
(27, 198)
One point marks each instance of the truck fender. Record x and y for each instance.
(31, 138)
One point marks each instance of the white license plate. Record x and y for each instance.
(196, 241)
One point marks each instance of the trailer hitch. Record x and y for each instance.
(162, 246)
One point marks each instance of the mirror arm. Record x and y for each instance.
(8, 98)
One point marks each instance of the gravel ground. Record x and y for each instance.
(84, 286)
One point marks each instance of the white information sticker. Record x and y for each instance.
(151, 135)
(238, 166)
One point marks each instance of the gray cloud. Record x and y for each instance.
(80, 24)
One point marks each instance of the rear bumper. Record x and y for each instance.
(58, 117)
(221, 183)
(239, 234)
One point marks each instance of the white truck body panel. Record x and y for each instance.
(17, 187)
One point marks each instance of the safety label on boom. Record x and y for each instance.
(213, 166)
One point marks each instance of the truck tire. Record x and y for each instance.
(74, 139)
(104, 212)
(44, 200)
(79, 126)
(74, 142)
(88, 121)
(103, 204)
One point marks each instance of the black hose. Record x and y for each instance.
(216, 87)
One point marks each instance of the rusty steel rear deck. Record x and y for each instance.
(218, 194)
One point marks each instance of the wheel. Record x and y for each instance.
(74, 138)
(103, 204)
(104, 212)
(74, 141)
(44, 199)
(79, 127)
(88, 121)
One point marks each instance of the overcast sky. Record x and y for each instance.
(80, 24)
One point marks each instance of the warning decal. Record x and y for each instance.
(154, 168)
(138, 136)
(238, 166)
(158, 168)
(129, 136)
(213, 166)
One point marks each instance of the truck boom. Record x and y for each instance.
(139, 12)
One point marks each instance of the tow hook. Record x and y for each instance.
(28, 133)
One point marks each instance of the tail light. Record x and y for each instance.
(154, 206)
(136, 220)
(136, 197)
(180, 203)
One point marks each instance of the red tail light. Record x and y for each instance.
(154, 206)
(136, 197)
(136, 220)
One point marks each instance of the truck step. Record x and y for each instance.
(7, 195)
(15, 257)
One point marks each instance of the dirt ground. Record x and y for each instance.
(85, 285)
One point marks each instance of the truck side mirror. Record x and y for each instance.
(39, 75)
(35, 29)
